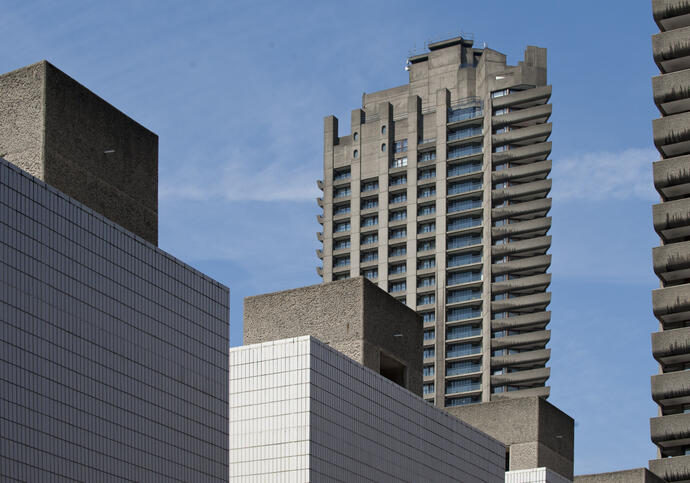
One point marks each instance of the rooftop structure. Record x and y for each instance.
(353, 316)
(439, 194)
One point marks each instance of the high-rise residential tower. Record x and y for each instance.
(439, 194)
(671, 302)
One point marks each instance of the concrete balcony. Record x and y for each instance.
(533, 246)
(671, 346)
(539, 356)
(671, 14)
(671, 305)
(319, 236)
(537, 339)
(319, 201)
(671, 389)
(672, 134)
(537, 227)
(319, 219)
(530, 303)
(534, 282)
(672, 92)
(672, 49)
(319, 183)
(319, 253)
(526, 98)
(534, 320)
(525, 191)
(537, 264)
(671, 430)
(671, 469)
(672, 177)
(533, 171)
(528, 209)
(319, 271)
(537, 114)
(532, 376)
(672, 262)
(542, 392)
(523, 155)
(525, 135)
(672, 219)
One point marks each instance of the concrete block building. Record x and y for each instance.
(113, 353)
(353, 316)
(440, 195)
(670, 431)
(302, 411)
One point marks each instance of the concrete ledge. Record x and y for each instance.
(537, 133)
(537, 170)
(540, 374)
(671, 469)
(671, 14)
(638, 475)
(672, 262)
(540, 188)
(672, 133)
(672, 176)
(671, 388)
(541, 392)
(672, 219)
(537, 338)
(530, 114)
(536, 319)
(538, 225)
(669, 428)
(535, 301)
(671, 304)
(539, 245)
(672, 92)
(532, 282)
(672, 49)
(529, 357)
(536, 96)
(523, 155)
(671, 346)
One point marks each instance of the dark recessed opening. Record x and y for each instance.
(393, 370)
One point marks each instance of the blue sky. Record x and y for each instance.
(237, 92)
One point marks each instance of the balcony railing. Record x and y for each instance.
(463, 277)
(467, 132)
(464, 187)
(463, 385)
(460, 350)
(462, 205)
(464, 222)
(464, 259)
(464, 367)
(463, 295)
(461, 332)
(463, 241)
(463, 313)
(455, 115)
(464, 168)
(464, 151)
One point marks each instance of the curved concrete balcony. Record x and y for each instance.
(671, 469)
(523, 155)
(319, 201)
(538, 264)
(672, 49)
(525, 191)
(536, 114)
(319, 271)
(672, 134)
(319, 236)
(672, 304)
(536, 320)
(533, 246)
(533, 302)
(524, 135)
(537, 339)
(526, 98)
(319, 253)
(672, 388)
(540, 356)
(671, 14)
(534, 282)
(319, 183)
(666, 431)
(542, 392)
(672, 176)
(527, 209)
(537, 227)
(319, 218)
(672, 92)
(532, 376)
(672, 219)
(671, 346)
(533, 171)
(672, 262)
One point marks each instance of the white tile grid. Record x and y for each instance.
(535, 475)
(269, 410)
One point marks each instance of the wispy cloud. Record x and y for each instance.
(605, 175)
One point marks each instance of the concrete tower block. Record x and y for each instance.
(57, 130)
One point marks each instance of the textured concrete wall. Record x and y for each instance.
(113, 354)
(537, 433)
(353, 316)
(56, 129)
(302, 411)
(22, 104)
(638, 475)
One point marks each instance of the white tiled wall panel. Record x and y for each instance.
(301, 411)
(535, 475)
